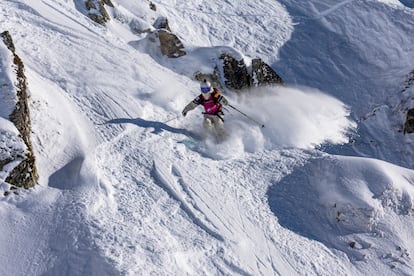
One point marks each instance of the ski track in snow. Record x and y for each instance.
(164, 179)
(137, 202)
(175, 214)
(175, 229)
(329, 10)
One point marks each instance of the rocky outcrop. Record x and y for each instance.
(153, 6)
(409, 82)
(235, 74)
(263, 74)
(97, 12)
(170, 45)
(409, 122)
(25, 173)
(405, 103)
(163, 39)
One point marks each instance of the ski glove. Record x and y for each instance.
(184, 113)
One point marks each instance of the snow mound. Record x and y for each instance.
(351, 204)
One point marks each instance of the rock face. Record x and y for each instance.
(170, 44)
(263, 74)
(231, 72)
(153, 6)
(409, 82)
(409, 122)
(25, 173)
(96, 10)
(235, 74)
(406, 102)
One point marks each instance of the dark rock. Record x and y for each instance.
(8, 41)
(235, 72)
(25, 173)
(153, 6)
(263, 74)
(409, 122)
(90, 5)
(170, 44)
(97, 11)
(409, 82)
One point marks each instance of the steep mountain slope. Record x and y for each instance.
(128, 186)
(358, 51)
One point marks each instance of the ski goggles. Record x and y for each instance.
(205, 89)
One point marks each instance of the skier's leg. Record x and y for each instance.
(207, 123)
(219, 127)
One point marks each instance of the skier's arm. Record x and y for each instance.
(189, 107)
(223, 101)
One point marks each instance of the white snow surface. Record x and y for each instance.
(130, 187)
(7, 80)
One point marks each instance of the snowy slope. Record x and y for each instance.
(11, 145)
(362, 207)
(122, 190)
(360, 52)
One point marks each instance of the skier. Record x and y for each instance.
(212, 102)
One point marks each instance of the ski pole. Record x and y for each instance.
(248, 117)
(169, 120)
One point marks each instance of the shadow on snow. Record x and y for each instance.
(157, 126)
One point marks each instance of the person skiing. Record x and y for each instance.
(213, 103)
